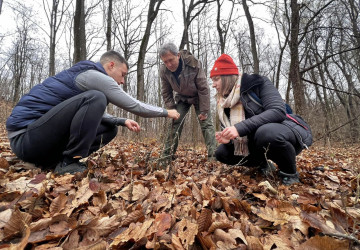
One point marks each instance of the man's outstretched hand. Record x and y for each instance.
(172, 113)
(132, 125)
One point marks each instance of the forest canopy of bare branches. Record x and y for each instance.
(309, 49)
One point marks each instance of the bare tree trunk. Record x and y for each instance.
(294, 72)
(108, 28)
(79, 32)
(53, 31)
(188, 18)
(154, 7)
(252, 37)
(54, 17)
(281, 47)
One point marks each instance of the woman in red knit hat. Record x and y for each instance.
(255, 124)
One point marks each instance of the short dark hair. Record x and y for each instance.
(112, 55)
(168, 47)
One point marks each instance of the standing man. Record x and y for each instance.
(183, 74)
(61, 120)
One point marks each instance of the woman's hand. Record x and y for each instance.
(132, 125)
(172, 113)
(220, 138)
(230, 133)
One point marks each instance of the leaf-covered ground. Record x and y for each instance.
(126, 201)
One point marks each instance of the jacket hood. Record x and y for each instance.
(250, 81)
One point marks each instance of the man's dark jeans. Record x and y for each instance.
(73, 128)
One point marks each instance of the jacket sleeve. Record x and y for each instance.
(273, 110)
(95, 80)
(167, 92)
(203, 90)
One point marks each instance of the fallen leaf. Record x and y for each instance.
(274, 215)
(187, 232)
(58, 204)
(162, 222)
(324, 242)
(138, 192)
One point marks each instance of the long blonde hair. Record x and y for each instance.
(227, 84)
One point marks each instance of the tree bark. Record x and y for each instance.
(294, 72)
(188, 18)
(154, 7)
(79, 32)
(252, 37)
(109, 28)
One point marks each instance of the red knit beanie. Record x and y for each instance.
(224, 65)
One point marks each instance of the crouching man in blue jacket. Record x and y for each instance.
(62, 120)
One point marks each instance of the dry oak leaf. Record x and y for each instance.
(219, 225)
(138, 192)
(206, 242)
(4, 163)
(132, 217)
(262, 197)
(318, 243)
(22, 184)
(18, 223)
(204, 220)
(207, 194)
(162, 223)
(60, 228)
(99, 245)
(24, 240)
(341, 219)
(99, 199)
(281, 243)
(196, 193)
(94, 185)
(316, 221)
(224, 240)
(297, 223)
(5, 217)
(175, 243)
(273, 215)
(187, 232)
(106, 225)
(163, 201)
(58, 204)
(236, 233)
(254, 243)
(82, 196)
(135, 232)
(46, 222)
(38, 179)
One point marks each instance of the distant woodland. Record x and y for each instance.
(312, 55)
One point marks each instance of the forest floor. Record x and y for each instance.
(126, 201)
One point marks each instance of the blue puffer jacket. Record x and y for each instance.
(46, 95)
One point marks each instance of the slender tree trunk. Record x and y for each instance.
(79, 32)
(154, 7)
(108, 28)
(294, 72)
(53, 23)
(252, 37)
